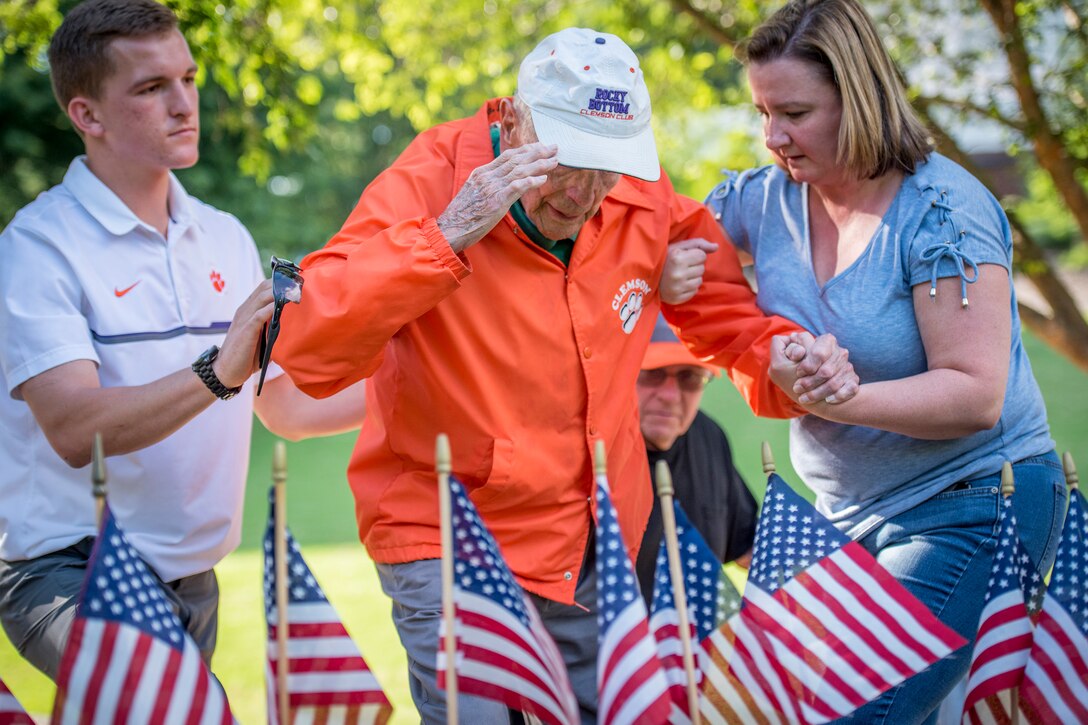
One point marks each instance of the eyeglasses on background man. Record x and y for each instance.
(687, 379)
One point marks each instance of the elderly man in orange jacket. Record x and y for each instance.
(499, 283)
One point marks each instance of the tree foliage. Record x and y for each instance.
(1020, 65)
(309, 99)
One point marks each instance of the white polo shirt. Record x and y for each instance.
(81, 278)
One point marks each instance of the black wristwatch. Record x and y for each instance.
(203, 368)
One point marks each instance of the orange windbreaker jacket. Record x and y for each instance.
(521, 361)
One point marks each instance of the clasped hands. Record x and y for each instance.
(812, 370)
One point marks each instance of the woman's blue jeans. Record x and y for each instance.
(942, 551)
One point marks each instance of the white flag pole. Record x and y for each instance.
(279, 480)
(98, 479)
(1007, 488)
(443, 466)
(663, 479)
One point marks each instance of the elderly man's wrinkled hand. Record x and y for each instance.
(685, 264)
(490, 191)
(812, 370)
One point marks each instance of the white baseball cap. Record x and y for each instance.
(588, 97)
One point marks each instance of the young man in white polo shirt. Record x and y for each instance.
(113, 284)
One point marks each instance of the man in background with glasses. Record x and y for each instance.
(113, 283)
(707, 484)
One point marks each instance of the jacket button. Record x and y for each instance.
(587, 353)
(592, 430)
(567, 575)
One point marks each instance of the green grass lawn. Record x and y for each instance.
(321, 515)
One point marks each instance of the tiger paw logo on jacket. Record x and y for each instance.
(628, 302)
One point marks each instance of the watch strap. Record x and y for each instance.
(203, 368)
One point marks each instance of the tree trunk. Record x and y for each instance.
(1049, 149)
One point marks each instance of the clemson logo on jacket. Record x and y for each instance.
(627, 302)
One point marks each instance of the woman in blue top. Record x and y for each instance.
(859, 229)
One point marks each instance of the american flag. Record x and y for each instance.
(1055, 685)
(706, 590)
(631, 686)
(823, 628)
(11, 712)
(128, 659)
(503, 651)
(731, 693)
(328, 680)
(1004, 629)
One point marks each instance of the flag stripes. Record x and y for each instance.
(106, 683)
(128, 659)
(1001, 647)
(842, 633)
(726, 699)
(710, 598)
(324, 666)
(505, 661)
(1055, 685)
(1056, 677)
(630, 685)
(757, 668)
(1004, 634)
(339, 715)
(327, 678)
(670, 653)
(897, 624)
(504, 653)
(991, 710)
(823, 629)
(11, 712)
(628, 673)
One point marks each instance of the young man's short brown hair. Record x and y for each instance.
(79, 57)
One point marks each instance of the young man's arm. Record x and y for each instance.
(290, 413)
(70, 404)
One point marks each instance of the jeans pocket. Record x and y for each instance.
(1039, 505)
(1039, 513)
(977, 508)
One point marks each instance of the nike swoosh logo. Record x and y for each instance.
(126, 290)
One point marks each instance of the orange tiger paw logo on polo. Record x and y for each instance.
(217, 281)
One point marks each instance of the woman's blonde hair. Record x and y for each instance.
(879, 130)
